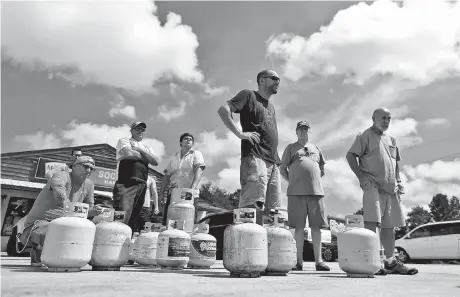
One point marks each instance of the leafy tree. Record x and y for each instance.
(219, 197)
(417, 216)
(454, 209)
(439, 207)
(359, 211)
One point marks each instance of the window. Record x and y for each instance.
(455, 228)
(441, 229)
(420, 232)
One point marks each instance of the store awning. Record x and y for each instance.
(32, 185)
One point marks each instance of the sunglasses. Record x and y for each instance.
(275, 78)
(87, 167)
(139, 129)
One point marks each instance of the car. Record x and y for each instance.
(432, 241)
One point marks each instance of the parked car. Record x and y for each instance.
(432, 241)
(218, 222)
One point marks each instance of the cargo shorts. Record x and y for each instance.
(260, 181)
(382, 208)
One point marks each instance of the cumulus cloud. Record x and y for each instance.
(171, 113)
(83, 134)
(368, 40)
(405, 132)
(436, 122)
(120, 44)
(119, 107)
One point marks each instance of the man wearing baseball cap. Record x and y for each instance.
(133, 158)
(302, 165)
(74, 186)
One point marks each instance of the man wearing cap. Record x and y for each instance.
(133, 158)
(302, 165)
(74, 186)
(75, 153)
(259, 173)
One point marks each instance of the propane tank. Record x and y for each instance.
(245, 245)
(203, 248)
(359, 249)
(111, 246)
(69, 239)
(173, 247)
(282, 251)
(181, 208)
(147, 245)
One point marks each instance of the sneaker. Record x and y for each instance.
(398, 267)
(297, 267)
(322, 267)
(35, 257)
(382, 271)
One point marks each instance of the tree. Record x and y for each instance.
(454, 209)
(219, 197)
(417, 216)
(439, 207)
(359, 211)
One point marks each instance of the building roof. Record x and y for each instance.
(11, 183)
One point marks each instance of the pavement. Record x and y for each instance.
(19, 279)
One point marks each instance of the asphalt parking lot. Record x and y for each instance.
(19, 279)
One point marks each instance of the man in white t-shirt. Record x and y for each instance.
(133, 158)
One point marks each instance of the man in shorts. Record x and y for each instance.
(378, 175)
(259, 173)
(302, 165)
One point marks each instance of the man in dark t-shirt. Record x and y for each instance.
(259, 173)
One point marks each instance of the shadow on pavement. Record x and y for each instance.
(24, 268)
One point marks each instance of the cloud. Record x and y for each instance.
(169, 114)
(83, 134)
(437, 122)
(119, 107)
(368, 40)
(405, 132)
(120, 44)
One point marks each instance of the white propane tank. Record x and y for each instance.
(173, 247)
(282, 251)
(111, 246)
(203, 248)
(147, 245)
(69, 239)
(359, 249)
(181, 208)
(245, 245)
(133, 247)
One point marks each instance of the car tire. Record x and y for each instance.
(403, 255)
(328, 255)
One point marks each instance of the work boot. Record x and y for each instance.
(398, 267)
(35, 257)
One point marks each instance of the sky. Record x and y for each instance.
(79, 73)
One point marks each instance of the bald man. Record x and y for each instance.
(378, 175)
(259, 171)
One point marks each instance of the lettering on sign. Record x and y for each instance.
(205, 248)
(179, 247)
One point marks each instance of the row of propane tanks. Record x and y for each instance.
(249, 249)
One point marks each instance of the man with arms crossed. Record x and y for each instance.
(302, 166)
(133, 158)
(259, 173)
(378, 175)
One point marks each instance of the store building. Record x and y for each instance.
(23, 177)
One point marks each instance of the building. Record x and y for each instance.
(23, 177)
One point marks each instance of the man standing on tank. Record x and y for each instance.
(133, 158)
(259, 173)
